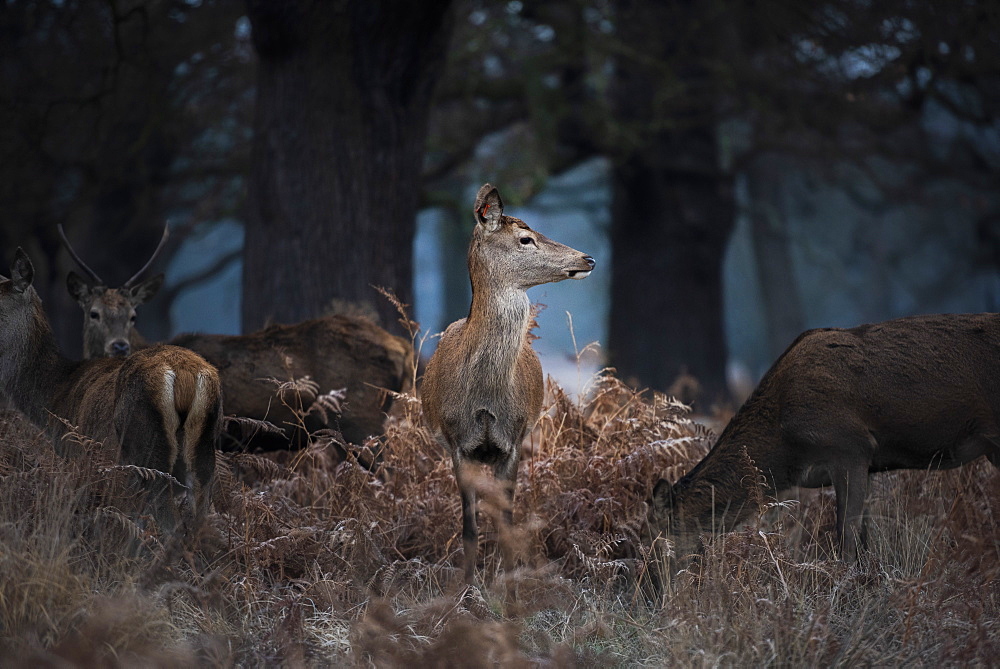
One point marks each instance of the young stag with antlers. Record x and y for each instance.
(109, 313)
(336, 351)
(159, 409)
(482, 390)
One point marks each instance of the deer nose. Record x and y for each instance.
(590, 261)
(119, 348)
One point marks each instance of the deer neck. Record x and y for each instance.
(32, 369)
(496, 330)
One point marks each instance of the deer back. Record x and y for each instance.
(335, 351)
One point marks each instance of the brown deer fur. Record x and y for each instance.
(482, 390)
(335, 351)
(160, 408)
(912, 393)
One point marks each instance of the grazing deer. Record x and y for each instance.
(482, 389)
(913, 393)
(336, 351)
(160, 408)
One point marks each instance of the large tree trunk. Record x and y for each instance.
(669, 233)
(343, 95)
(673, 205)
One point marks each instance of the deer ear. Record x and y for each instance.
(144, 291)
(79, 289)
(489, 208)
(21, 272)
(662, 495)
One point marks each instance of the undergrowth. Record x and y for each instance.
(311, 559)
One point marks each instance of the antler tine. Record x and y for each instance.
(69, 247)
(159, 247)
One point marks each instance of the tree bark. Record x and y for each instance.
(668, 238)
(673, 204)
(343, 94)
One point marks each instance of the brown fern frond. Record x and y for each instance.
(145, 473)
(328, 403)
(253, 425)
(411, 326)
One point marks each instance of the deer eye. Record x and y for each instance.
(95, 315)
(527, 240)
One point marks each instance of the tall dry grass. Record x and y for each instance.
(310, 560)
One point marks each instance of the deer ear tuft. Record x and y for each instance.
(489, 208)
(21, 272)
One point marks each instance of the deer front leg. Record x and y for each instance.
(506, 475)
(851, 487)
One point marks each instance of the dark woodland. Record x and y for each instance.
(843, 156)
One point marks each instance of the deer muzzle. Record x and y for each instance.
(582, 273)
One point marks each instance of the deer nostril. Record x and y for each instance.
(590, 261)
(119, 348)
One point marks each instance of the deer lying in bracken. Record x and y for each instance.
(159, 409)
(482, 390)
(913, 393)
(334, 351)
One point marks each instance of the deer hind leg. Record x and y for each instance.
(470, 527)
(201, 432)
(851, 487)
(144, 442)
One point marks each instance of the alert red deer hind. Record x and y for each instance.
(482, 389)
(921, 392)
(159, 409)
(336, 351)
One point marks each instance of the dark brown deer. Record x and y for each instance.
(914, 393)
(335, 351)
(160, 408)
(482, 389)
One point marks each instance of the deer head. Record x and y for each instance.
(507, 253)
(109, 313)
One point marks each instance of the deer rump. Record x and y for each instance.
(335, 351)
(911, 393)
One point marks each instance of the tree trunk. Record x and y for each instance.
(668, 236)
(673, 206)
(343, 94)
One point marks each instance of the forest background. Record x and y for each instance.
(740, 170)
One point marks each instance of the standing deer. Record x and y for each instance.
(912, 393)
(482, 389)
(160, 408)
(336, 351)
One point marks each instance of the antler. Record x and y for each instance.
(159, 247)
(69, 247)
